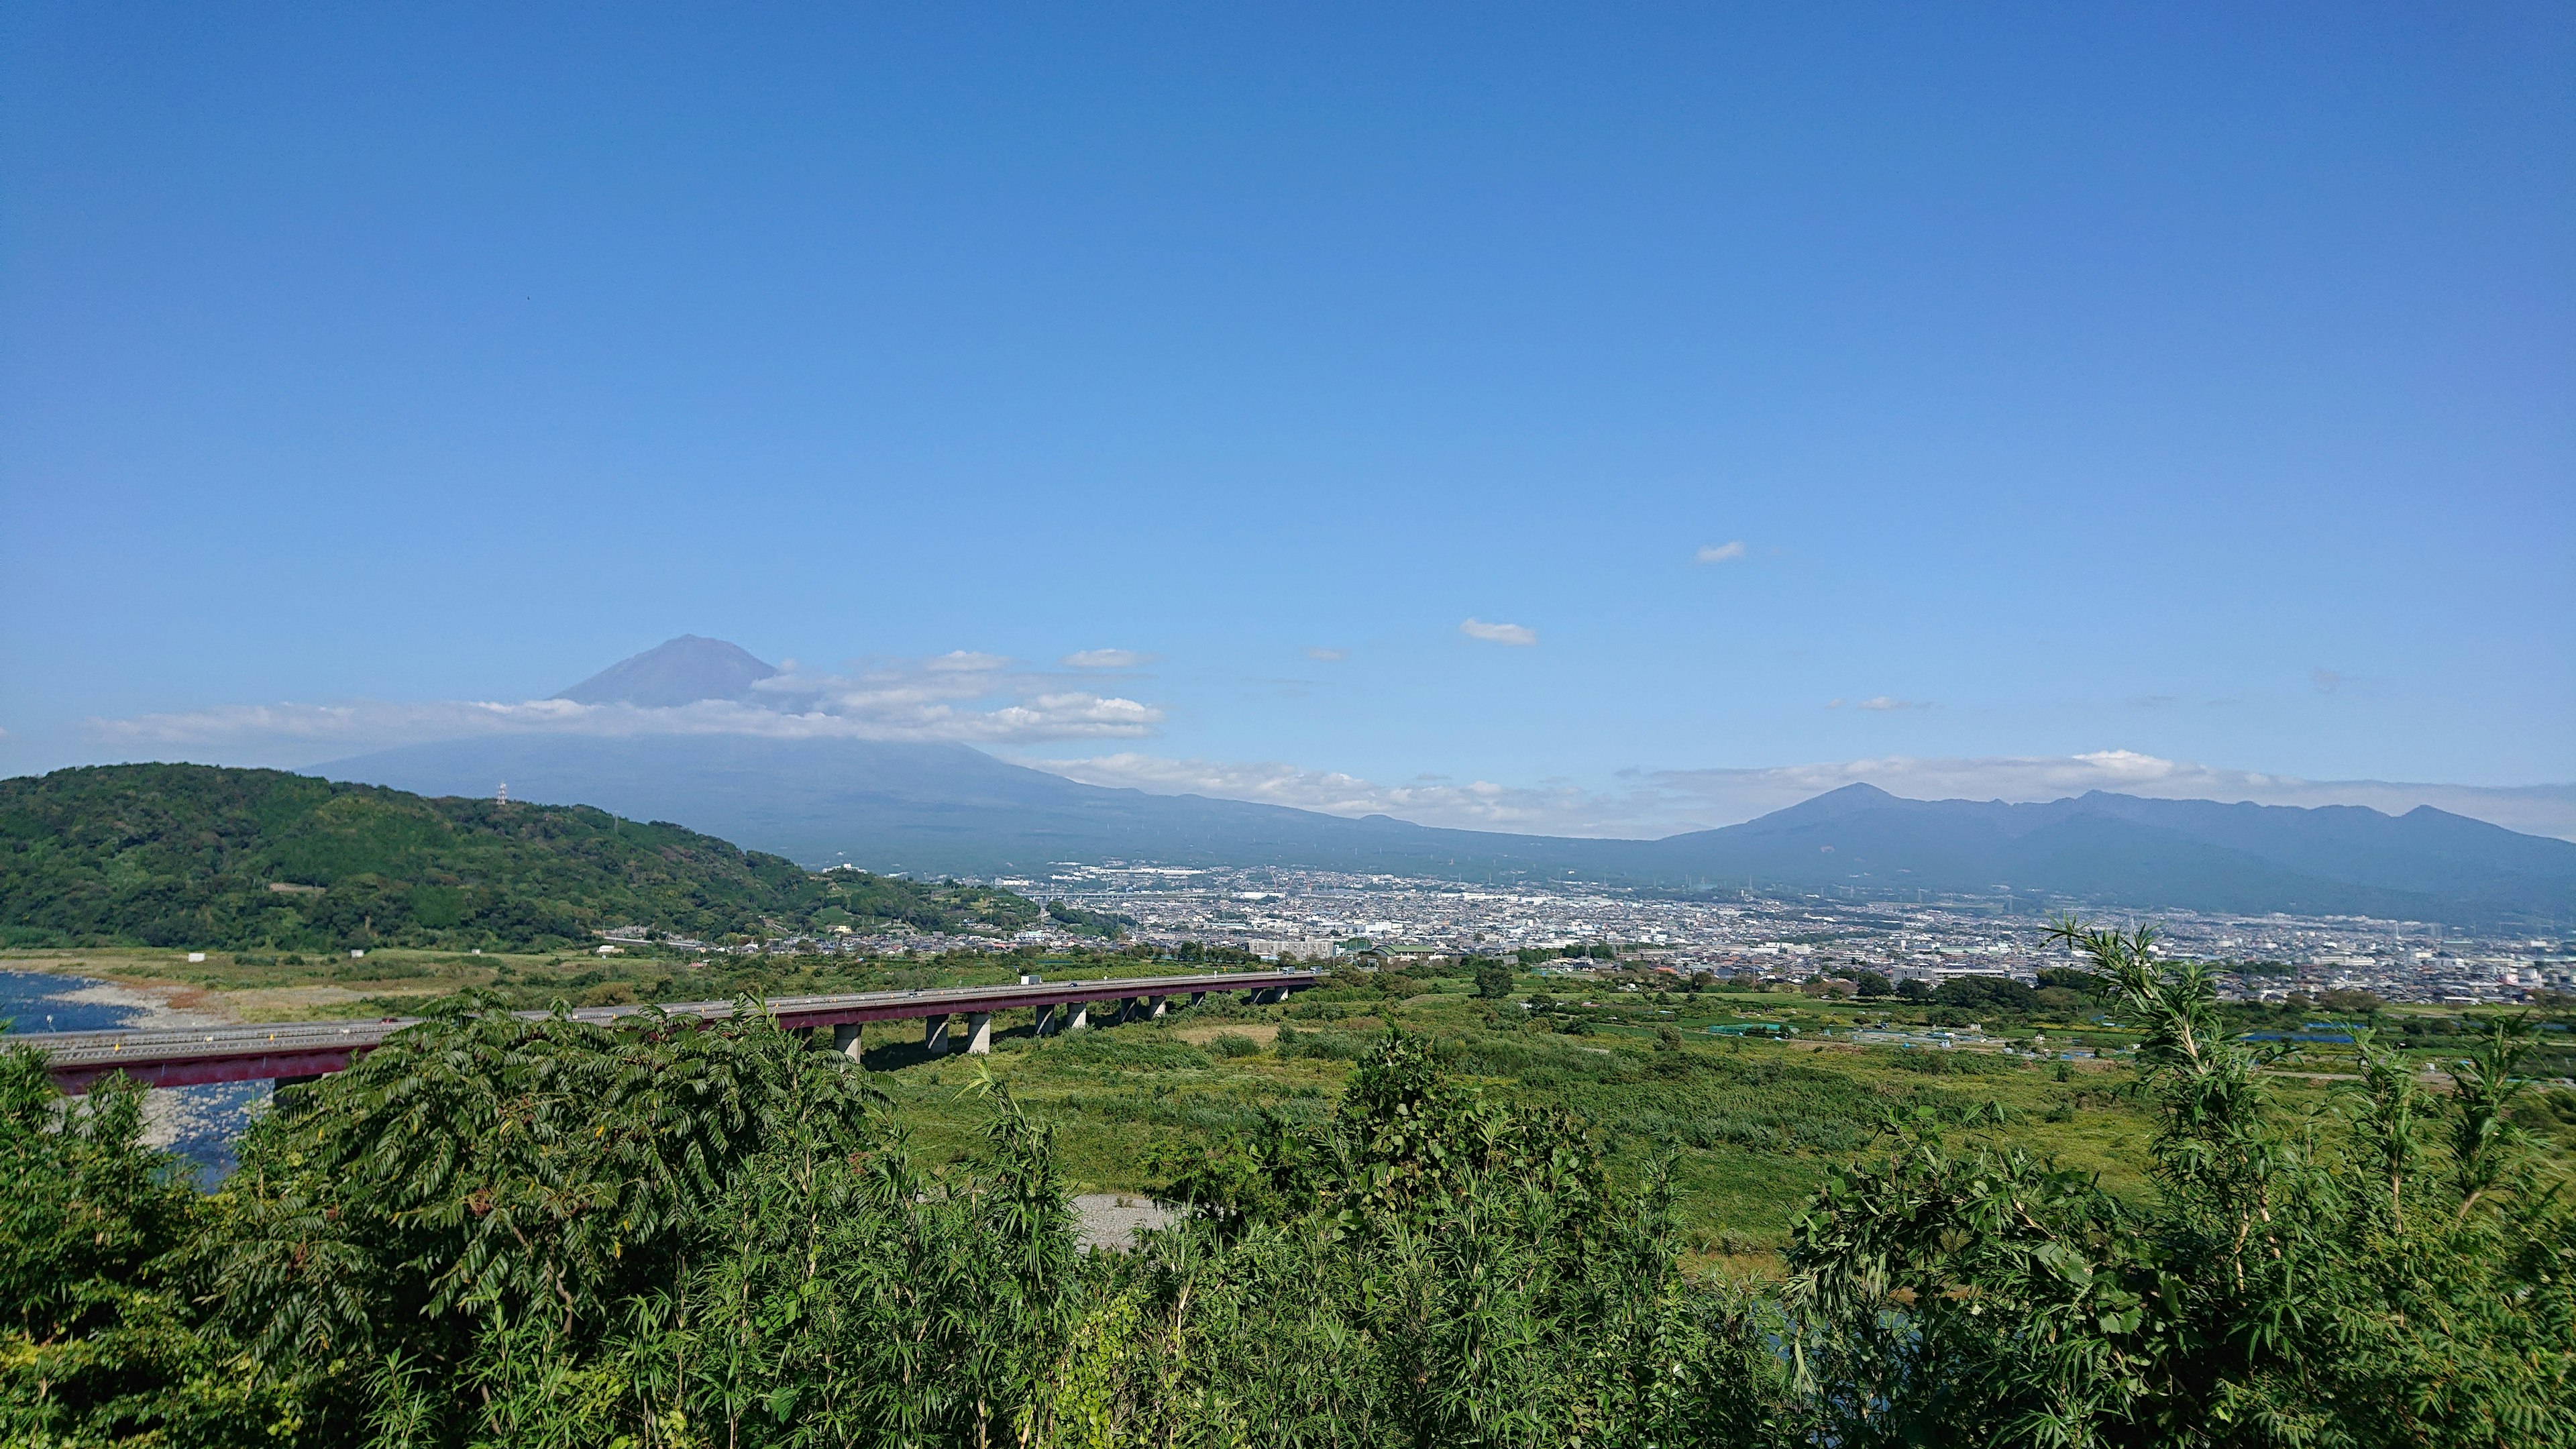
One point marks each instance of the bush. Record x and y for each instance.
(1330, 1046)
(1954, 1064)
(1233, 1045)
(1129, 1050)
(2281, 1286)
(502, 1231)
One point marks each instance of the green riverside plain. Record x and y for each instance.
(1750, 1126)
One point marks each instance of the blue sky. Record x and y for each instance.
(2197, 382)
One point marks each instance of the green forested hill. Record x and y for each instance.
(200, 856)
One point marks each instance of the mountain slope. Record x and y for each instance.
(2424, 850)
(675, 672)
(195, 855)
(2192, 854)
(928, 808)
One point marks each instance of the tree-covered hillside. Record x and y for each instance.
(199, 856)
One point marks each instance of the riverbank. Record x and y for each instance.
(196, 1123)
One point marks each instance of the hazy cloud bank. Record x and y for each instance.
(1475, 805)
(962, 696)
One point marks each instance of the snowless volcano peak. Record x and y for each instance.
(680, 671)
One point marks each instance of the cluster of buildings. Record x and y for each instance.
(1290, 914)
(1284, 912)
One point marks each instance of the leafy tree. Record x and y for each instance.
(2286, 1285)
(99, 1343)
(1986, 993)
(1493, 979)
(2082, 983)
(1872, 984)
(1109, 925)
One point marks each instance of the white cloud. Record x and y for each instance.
(1513, 634)
(1710, 553)
(1884, 703)
(1475, 805)
(1326, 656)
(961, 696)
(1107, 659)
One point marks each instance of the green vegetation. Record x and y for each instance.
(502, 1231)
(1080, 922)
(267, 862)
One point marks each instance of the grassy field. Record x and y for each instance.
(1751, 1126)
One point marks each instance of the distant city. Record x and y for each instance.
(1319, 916)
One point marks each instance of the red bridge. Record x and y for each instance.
(302, 1050)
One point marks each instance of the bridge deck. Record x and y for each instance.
(196, 1055)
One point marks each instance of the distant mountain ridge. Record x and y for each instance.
(939, 809)
(933, 809)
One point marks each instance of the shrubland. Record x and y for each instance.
(498, 1230)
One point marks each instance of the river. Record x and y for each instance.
(195, 1124)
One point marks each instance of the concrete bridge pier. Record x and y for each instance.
(845, 1039)
(1081, 1017)
(1195, 998)
(1126, 1010)
(1154, 1007)
(1046, 1021)
(979, 1034)
(934, 1035)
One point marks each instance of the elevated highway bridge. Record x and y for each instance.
(291, 1052)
